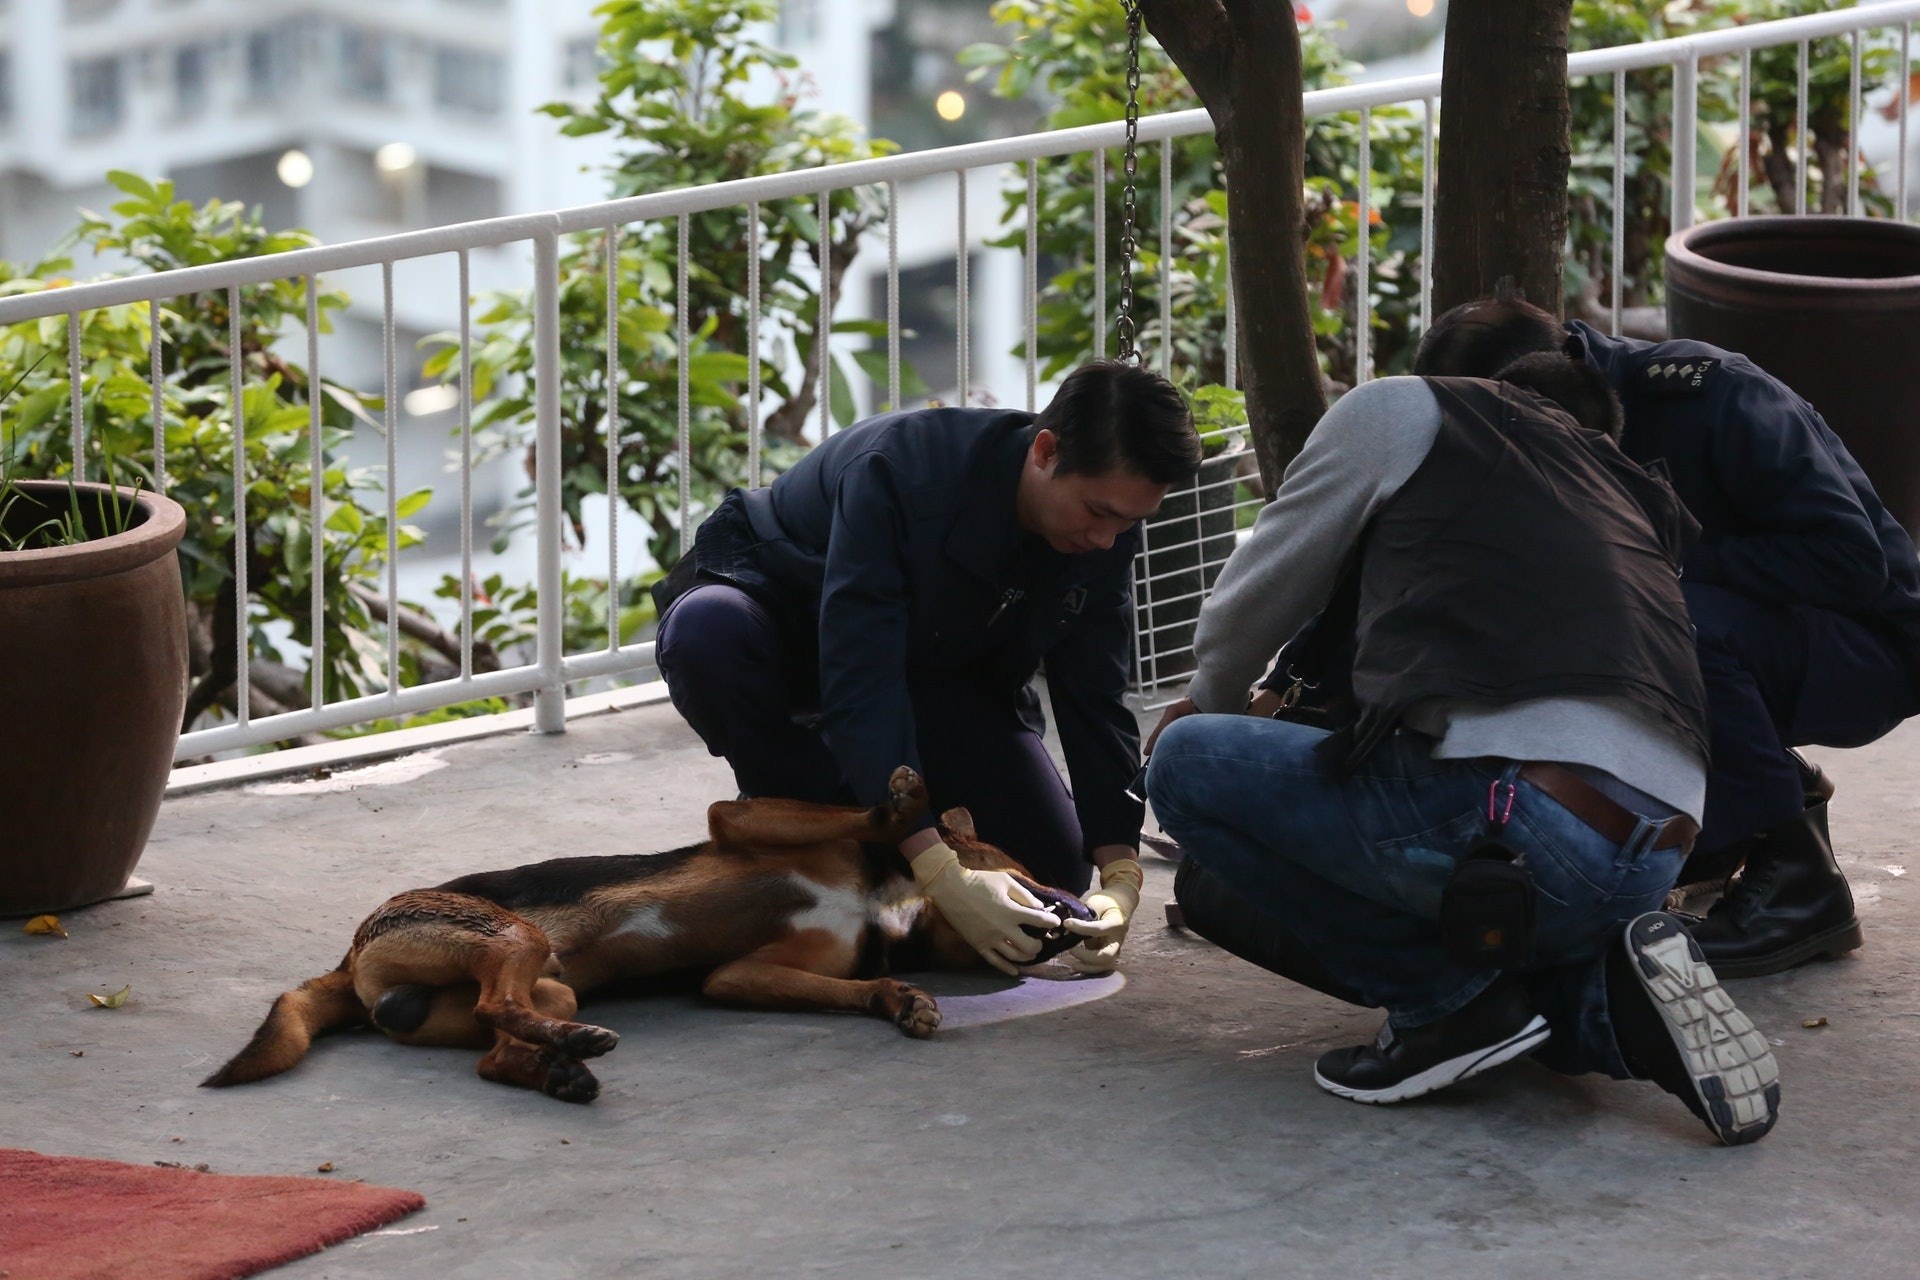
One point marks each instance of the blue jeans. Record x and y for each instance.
(1354, 865)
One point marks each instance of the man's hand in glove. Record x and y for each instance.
(1113, 905)
(987, 907)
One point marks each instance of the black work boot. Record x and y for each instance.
(1789, 905)
(1719, 864)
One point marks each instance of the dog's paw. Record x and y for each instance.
(587, 1041)
(568, 1080)
(919, 1016)
(906, 797)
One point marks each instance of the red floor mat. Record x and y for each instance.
(65, 1218)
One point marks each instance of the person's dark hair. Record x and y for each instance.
(1574, 385)
(1110, 415)
(1477, 339)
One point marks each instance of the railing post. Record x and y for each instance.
(1686, 129)
(550, 700)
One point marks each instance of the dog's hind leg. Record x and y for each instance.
(527, 1066)
(515, 1062)
(443, 1016)
(437, 939)
(783, 976)
(511, 998)
(736, 824)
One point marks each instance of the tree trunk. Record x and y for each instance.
(1242, 58)
(1500, 208)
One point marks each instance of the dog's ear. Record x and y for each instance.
(960, 823)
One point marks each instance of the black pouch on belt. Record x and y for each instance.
(1487, 908)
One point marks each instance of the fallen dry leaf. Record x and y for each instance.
(1811, 1023)
(325, 1168)
(113, 1001)
(49, 925)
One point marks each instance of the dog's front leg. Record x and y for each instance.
(760, 983)
(749, 824)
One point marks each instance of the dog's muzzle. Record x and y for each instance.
(1066, 907)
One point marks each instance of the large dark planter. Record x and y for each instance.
(93, 680)
(1831, 307)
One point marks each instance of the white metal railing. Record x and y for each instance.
(1170, 536)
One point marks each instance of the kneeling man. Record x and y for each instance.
(1530, 741)
(888, 601)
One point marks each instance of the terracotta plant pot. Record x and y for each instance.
(1831, 307)
(93, 681)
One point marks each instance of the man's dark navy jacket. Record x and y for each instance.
(1786, 514)
(893, 553)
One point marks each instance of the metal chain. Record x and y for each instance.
(1129, 245)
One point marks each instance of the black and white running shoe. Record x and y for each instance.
(1496, 1026)
(1719, 1065)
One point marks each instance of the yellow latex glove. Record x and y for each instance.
(1113, 905)
(987, 907)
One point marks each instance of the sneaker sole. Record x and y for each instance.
(1829, 944)
(1733, 1071)
(1452, 1071)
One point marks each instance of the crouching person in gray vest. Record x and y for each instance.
(1484, 850)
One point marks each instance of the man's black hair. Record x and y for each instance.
(1110, 415)
(1573, 384)
(1478, 339)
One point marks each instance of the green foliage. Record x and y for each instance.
(98, 515)
(1070, 52)
(677, 91)
(1648, 167)
(159, 233)
(505, 615)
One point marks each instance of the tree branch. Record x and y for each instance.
(1196, 35)
(426, 630)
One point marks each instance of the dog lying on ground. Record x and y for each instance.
(788, 905)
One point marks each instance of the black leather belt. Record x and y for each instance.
(1609, 817)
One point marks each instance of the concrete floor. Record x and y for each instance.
(1167, 1126)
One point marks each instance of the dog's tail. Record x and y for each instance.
(319, 1005)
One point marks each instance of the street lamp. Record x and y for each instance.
(395, 157)
(295, 169)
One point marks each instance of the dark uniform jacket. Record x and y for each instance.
(892, 556)
(1786, 514)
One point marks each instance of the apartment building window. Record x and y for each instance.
(6, 85)
(190, 79)
(271, 66)
(99, 96)
(799, 23)
(366, 64)
(88, 10)
(468, 80)
(580, 62)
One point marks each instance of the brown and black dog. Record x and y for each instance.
(787, 906)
